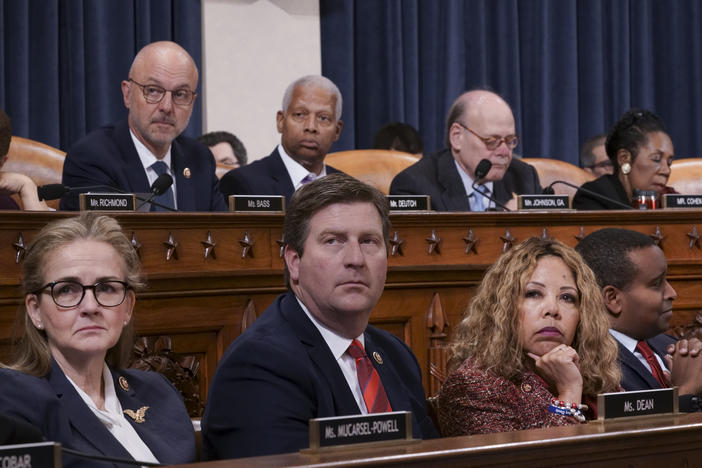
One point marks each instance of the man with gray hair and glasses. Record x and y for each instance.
(479, 126)
(159, 92)
(309, 123)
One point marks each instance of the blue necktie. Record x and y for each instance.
(166, 198)
(478, 201)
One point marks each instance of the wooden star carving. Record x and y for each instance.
(508, 240)
(281, 246)
(171, 247)
(247, 244)
(694, 237)
(434, 240)
(135, 244)
(209, 244)
(471, 242)
(544, 234)
(581, 235)
(657, 236)
(396, 243)
(20, 248)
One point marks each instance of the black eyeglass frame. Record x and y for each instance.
(193, 94)
(494, 140)
(601, 165)
(53, 284)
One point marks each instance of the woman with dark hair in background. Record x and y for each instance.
(641, 152)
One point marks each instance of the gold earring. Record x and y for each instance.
(626, 168)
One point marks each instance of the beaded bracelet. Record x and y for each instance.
(567, 409)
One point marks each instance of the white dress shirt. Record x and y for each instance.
(297, 171)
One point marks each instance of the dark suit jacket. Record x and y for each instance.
(53, 405)
(107, 156)
(436, 175)
(635, 376)
(266, 176)
(280, 373)
(607, 185)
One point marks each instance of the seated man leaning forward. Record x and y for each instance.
(159, 93)
(480, 125)
(295, 362)
(631, 270)
(309, 124)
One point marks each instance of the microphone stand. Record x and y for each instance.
(589, 192)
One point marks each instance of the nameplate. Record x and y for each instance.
(107, 201)
(543, 202)
(409, 202)
(360, 429)
(41, 454)
(264, 203)
(673, 200)
(639, 403)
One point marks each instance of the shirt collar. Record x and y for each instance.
(626, 341)
(296, 171)
(147, 157)
(337, 344)
(468, 181)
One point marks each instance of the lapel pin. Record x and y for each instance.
(137, 416)
(377, 357)
(187, 173)
(526, 388)
(124, 384)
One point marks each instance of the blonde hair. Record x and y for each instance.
(489, 331)
(32, 354)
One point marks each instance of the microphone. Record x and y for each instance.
(549, 191)
(159, 187)
(481, 171)
(55, 191)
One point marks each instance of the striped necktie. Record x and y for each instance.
(373, 391)
(478, 202)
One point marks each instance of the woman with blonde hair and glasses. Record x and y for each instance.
(68, 377)
(533, 349)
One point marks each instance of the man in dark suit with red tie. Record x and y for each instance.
(631, 270)
(309, 123)
(312, 354)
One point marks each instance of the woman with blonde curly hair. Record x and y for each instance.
(533, 345)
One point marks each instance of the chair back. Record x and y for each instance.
(374, 167)
(41, 163)
(686, 176)
(550, 170)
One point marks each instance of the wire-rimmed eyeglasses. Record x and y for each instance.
(153, 94)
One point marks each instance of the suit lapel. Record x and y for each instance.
(281, 179)
(321, 356)
(630, 361)
(82, 418)
(394, 388)
(453, 196)
(134, 171)
(184, 186)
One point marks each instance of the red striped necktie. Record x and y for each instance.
(373, 391)
(656, 370)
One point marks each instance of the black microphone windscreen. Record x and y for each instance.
(482, 169)
(52, 191)
(161, 184)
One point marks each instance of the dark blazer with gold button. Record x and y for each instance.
(280, 373)
(52, 404)
(107, 156)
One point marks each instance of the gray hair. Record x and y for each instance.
(318, 81)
